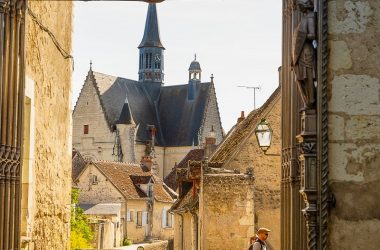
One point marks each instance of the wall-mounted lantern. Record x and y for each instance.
(264, 133)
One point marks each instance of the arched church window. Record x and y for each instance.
(150, 60)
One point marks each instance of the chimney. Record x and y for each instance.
(210, 142)
(150, 164)
(241, 118)
(147, 162)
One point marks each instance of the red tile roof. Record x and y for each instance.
(127, 177)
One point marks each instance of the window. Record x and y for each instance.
(139, 218)
(150, 60)
(130, 215)
(167, 218)
(94, 180)
(144, 218)
(85, 129)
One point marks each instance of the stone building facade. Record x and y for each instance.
(46, 159)
(354, 122)
(123, 120)
(237, 189)
(342, 200)
(123, 201)
(241, 150)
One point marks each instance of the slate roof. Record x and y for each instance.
(127, 177)
(176, 118)
(193, 155)
(151, 36)
(101, 208)
(230, 143)
(181, 118)
(78, 164)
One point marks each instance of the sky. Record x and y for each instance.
(238, 41)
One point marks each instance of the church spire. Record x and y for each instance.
(151, 36)
(151, 66)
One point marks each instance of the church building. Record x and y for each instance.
(118, 119)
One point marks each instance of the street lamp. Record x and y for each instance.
(263, 133)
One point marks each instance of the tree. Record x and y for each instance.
(81, 234)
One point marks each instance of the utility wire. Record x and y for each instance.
(63, 52)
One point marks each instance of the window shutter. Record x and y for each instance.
(163, 218)
(129, 215)
(144, 218)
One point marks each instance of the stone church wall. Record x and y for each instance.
(99, 142)
(226, 221)
(166, 157)
(45, 218)
(354, 123)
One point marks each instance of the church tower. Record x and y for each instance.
(195, 70)
(151, 61)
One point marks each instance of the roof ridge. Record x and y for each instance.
(118, 162)
(241, 128)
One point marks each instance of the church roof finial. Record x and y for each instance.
(151, 36)
(212, 77)
(195, 56)
(91, 65)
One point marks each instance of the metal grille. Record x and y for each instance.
(12, 35)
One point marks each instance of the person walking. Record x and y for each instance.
(262, 235)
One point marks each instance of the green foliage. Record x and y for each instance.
(81, 234)
(127, 242)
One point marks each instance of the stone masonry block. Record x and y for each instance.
(363, 128)
(340, 55)
(355, 17)
(355, 95)
(354, 162)
(338, 160)
(336, 127)
(342, 231)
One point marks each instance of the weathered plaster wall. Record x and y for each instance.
(51, 128)
(160, 232)
(227, 221)
(267, 172)
(354, 123)
(133, 231)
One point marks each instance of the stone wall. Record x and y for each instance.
(160, 232)
(103, 191)
(267, 172)
(99, 142)
(212, 118)
(226, 221)
(166, 157)
(47, 179)
(354, 123)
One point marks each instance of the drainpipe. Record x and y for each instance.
(195, 216)
(182, 239)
